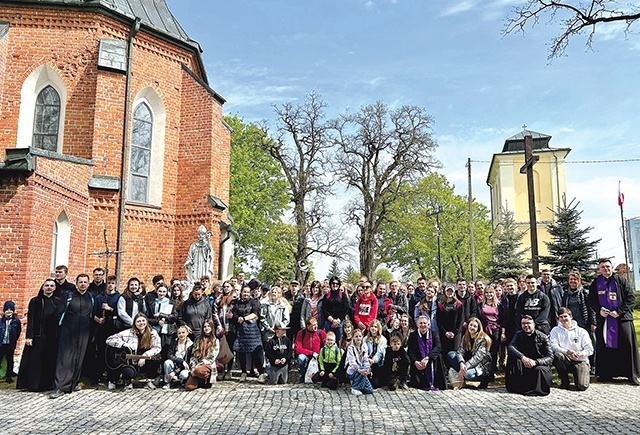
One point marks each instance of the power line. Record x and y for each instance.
(573, 161)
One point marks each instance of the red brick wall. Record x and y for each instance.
(196, 157)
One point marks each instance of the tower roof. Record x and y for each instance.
(152, 13)
(516, 142)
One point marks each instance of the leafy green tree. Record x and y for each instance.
(507, 256)
(570, 247)
(409, 240)
(383, 274)
(257, 195)
(276, 255)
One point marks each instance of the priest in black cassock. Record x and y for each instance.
(529, 364)
(75, 329)
(611, 297)
(38, 364)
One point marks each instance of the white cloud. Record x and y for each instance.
(460, 7)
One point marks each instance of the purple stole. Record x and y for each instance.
(425, 346)
(608, 297)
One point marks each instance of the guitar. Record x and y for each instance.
(118, 357)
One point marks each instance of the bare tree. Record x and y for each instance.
(301, 147)
(378, 149)
(574, 16)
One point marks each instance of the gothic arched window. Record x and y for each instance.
(46, 122)
(140, 166)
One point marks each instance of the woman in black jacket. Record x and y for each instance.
(248, 345)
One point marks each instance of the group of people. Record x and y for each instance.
(395, 335)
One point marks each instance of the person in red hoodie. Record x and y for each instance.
(366, 309)
(308, 344)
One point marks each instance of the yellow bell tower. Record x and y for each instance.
(509, 187)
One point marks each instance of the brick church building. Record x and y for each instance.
(108, 125)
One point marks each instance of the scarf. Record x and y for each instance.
(425, 344)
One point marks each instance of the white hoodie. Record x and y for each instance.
(576, 338)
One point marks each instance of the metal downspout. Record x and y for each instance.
(135, 27)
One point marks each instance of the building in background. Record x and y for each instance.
(84, 83)
(509, 187)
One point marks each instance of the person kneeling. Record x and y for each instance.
(424, 353)
(203, 358)
(571, 347)
(142, 344)
(328, 362)
(396, 364)
(472, 361)
(176, 368)
(529, 363)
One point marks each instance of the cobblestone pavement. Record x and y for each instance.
(234, 408)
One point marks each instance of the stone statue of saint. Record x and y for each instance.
(200, 257)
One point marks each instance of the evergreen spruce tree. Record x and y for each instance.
(507, 257)
(351, 275)
(570, 248)
(334, 270)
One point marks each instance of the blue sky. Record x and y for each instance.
(450, 58)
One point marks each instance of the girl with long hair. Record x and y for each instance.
(130, 304)
(492, 315)
(450, 318)
(376, 347)
(140, 340)
(203, 358)
(222, 308)
(357, 365)
(472, 360)
(176, 366)
(177, 296)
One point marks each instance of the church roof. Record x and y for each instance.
(516, 142)
(152, 13)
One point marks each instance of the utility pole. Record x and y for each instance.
(471, 239)
(437, 210)
(529, 161)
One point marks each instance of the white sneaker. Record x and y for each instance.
(111, 386)
(128, 387)
(166, 386)
(356, 392)
(151, 385)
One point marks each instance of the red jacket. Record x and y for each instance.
(308, 343)
(366, 310)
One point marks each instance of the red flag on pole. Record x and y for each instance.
(620, 196)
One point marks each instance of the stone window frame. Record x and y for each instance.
(153, 101)
(61, 243)
(41, 78)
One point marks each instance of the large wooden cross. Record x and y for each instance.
(106, 253)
